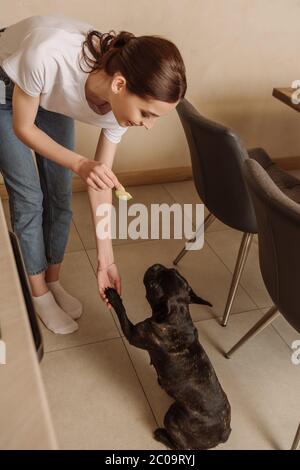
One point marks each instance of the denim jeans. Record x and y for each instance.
(39, 194)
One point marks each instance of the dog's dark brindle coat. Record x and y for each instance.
(200, 416)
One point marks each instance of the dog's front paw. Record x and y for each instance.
(113, 297)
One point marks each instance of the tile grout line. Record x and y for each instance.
(74, 346)
(132, 364)
(139, 380)
(219, 317)
(122, 335)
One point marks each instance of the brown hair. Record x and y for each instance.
(152, 66)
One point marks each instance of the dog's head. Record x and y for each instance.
(165, 286)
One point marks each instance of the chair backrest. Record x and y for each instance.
(217, 156)
(278, 221)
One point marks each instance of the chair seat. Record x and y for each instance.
(288, 184)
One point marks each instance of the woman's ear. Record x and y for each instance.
(195, 299)
(118, 83)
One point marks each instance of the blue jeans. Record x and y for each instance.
(39, 195)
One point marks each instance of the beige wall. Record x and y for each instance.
(235, 52)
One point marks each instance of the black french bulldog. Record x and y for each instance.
(200, 416)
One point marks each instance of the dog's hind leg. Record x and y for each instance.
(175, 425)
(162, 435)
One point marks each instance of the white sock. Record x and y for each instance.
(53, 317)
(66, 301)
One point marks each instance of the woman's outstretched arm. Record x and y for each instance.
(107, 273)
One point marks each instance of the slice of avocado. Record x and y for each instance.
(123, 194)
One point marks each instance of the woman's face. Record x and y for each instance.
(131, 110)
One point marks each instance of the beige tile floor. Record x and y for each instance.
(103, 393)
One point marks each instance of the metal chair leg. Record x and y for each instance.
(268, 318)
(208, 220)
(239, 267)
(296, 440)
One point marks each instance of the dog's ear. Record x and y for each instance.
(195, 299)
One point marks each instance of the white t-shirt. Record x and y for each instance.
(41, 54)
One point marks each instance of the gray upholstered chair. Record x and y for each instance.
(217, 156)
(276, 199)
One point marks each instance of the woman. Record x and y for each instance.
(131, 81)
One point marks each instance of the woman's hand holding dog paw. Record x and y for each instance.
(108, 277)
(114, 298)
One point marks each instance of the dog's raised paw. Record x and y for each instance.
(111, 292)
(112, 295)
